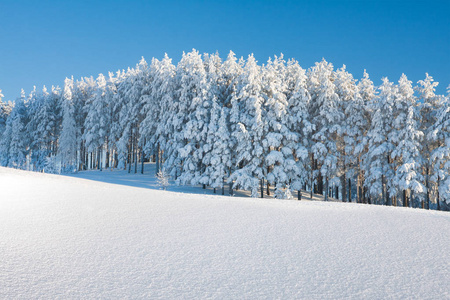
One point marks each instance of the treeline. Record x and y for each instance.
(243, 125)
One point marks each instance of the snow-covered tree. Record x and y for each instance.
(377, 162)
(406, 138)
(430, 103)
(68, 140)
(327, 120)
(358, 120)
(19, 140)
(5, 131)
(192, 117)
(97, 122)
(440, 156)
(279, 141)
(44, 126)
(163, 178)
(299, 125)
(250, 129)
(346, 89)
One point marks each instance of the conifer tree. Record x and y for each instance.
(406, 138)
(377, 162)
(327, 120)
(440, 156)
(430, 103)
(250, 129)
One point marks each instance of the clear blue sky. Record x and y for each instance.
(42, 42)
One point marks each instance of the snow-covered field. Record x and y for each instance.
(66, 238)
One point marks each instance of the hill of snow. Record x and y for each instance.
(63, 237)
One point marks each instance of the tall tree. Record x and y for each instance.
(347, 90)
(378, 165)
(327, 119)
(406, 138)
(430, 103)
(440, 156)
(250, 129)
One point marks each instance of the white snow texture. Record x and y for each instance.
(70, 238)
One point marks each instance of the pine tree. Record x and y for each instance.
(163, 178)
(406, 138)
(430, 103)
(327, 120)
(377, 162)
(358, 122)
(18, 146)
(440, 156)
(68, 140)
(5, 131)
(279, 139)
(347, 90)
(192, 117)
(230, 75)
(250, 129)
(299, 125)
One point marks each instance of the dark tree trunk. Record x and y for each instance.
(157, 159)
(130, 148)
(405, 201)
(427, 183)
(262, 187)
(223, 185)
(344, 187)
(320, 183)
(438, 197)
(107, 159)
(299, 195)
(135, 155)
(349, 190)
(230, 190)
(100, 162)
(326, 188)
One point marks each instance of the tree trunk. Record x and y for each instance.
(268, 189)
(320, 184)
(427, 183)
(100, 152)
(438, 196)
(157, 159)
(349, 190)
(344, 187)
(130, 148)
(142, 161)
(230, 190)
(262, 187)
(223, 185)
(405, 204)
(326, 188)
(135, 155)
(299, 195)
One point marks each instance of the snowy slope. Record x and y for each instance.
(63, 238)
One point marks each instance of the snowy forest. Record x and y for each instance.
(237, 124)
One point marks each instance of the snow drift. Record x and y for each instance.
(64, 237)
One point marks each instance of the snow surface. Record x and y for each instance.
(63, 237)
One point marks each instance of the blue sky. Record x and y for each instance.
(42, 42)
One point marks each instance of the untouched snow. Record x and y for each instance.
(63, 237)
